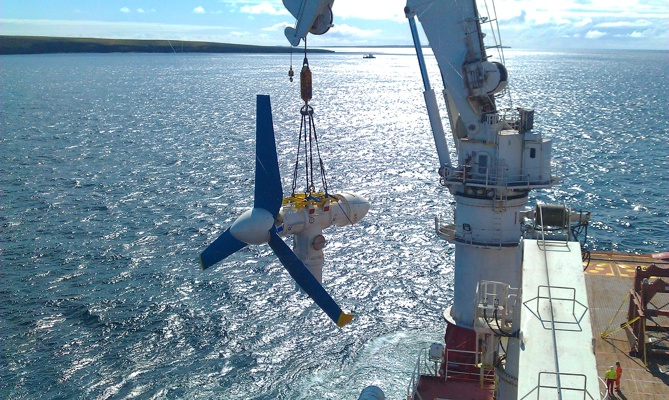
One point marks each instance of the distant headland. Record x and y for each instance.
(46, 45)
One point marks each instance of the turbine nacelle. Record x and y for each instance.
(305, 216)
(300, 213)
(352, 208)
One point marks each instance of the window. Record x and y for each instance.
(533, 152)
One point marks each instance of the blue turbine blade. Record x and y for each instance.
(306, 280)
(222, 247)
(268, 191)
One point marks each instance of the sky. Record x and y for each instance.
(533, 24)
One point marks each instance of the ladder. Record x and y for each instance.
(499, 201)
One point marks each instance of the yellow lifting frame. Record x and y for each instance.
(302, 200)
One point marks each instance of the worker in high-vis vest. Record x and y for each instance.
(610, 377)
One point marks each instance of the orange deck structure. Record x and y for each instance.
(609, 278)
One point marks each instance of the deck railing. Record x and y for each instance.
(562, 382)
(567, 312)
(499, 177)
(463, 369)
(460, 364)
(421, 368)
(603, 394)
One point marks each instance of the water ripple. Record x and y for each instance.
(117, 170)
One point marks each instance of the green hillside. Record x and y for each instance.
(44, 45)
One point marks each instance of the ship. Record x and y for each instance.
(535, 315)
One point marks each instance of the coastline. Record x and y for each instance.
(49, 45)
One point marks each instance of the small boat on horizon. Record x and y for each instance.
(369, 55)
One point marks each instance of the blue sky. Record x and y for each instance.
(602, 24)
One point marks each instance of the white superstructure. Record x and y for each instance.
(497, 165)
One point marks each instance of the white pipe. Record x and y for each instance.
(437, 128)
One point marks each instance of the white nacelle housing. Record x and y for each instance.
(350, 209)
(306, 219)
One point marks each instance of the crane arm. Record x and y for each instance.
(313, 16)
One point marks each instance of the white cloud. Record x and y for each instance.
(239, 34)
(598, 11)
(562, 21)
(624, 24)
(523, 23)
(392, 10)
(344, 34)
(277, 27)
(264, 8)
(348, 30)
(112, 30)
(594, 34)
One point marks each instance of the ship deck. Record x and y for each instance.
(609, 279)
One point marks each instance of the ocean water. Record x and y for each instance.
(117, 170)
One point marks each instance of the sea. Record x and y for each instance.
(117, 170)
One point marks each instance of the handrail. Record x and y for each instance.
(602, 395)
(476, 366)
(551, 297)
(560, 387)
(415, 377)
(499, 177)
(422, 368)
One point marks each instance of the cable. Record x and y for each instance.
(500, 332)
(309, 135)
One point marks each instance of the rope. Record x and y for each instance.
(321, 164)
(297, 160)
(309, 135)
(305, 47)
(585, 256)
(310, 172)
(606, 334)
(643, 324)
(622, 326)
